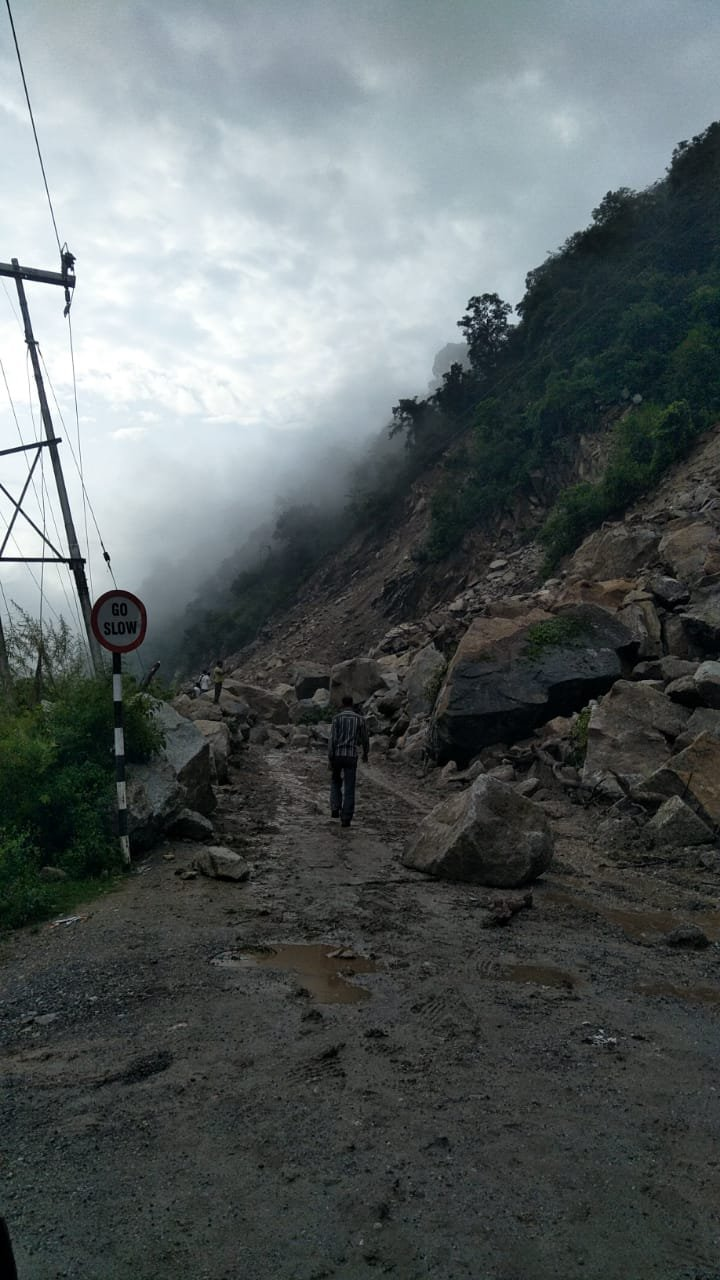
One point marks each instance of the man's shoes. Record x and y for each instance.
(345, 822)
(334, 813)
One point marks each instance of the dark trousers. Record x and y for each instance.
(218, 691)
(342, 787)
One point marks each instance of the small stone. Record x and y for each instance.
(689, 936)
(221, 864)
(52, 875)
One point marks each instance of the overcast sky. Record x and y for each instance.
(280, 209)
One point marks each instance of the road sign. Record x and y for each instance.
(119, 621)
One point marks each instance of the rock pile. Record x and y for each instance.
(603, 680)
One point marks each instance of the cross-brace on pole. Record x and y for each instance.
(66, 280)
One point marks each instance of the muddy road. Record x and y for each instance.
(335, 1070)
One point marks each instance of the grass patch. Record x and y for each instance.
(556, 633)
(27, 900)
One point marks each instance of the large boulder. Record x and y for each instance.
(179, 778)
(510, 675)
(707, 682)
(693, 774)
(308, 678)
(609, 593)
(201, 708)
(629, 733)
(155, 800)
(188, 754)
(620, 551)
(486, 835)
(668, 591)
(357, 678)
(263, 704)
(218, 736)
(685, 548)
(701, 622)
(422, 681)
(643, 622)
(676, 824)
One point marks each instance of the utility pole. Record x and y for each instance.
(66, 280)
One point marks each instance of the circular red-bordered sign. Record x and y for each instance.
(119, 621)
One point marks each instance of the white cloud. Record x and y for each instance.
(279, 222)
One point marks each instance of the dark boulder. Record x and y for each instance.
(510, 675)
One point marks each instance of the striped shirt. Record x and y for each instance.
(348, 732)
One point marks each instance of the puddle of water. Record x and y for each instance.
(639, 925)
(544, 975)
(698, 995)
(324, 970)
(642, 925)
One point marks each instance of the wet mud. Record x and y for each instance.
(337, 1071)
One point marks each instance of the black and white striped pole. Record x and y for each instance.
(119, 622)
(120, 759)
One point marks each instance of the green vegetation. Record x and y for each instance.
(434, 685)
(644, 445)
(57, 790)
(556, 633)
(619, 328)
(579, 738)
(628, 309)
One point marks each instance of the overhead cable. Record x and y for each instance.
(32, 121)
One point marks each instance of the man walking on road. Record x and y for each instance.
(348, 734)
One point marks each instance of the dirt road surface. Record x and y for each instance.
(335, 1070)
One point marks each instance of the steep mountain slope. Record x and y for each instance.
(373, 584)
(560, 421)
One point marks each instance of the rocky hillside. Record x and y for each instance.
(602, 679)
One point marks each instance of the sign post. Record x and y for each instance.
(119, 623)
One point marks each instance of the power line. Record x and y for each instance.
(32, 121)
(79, 445)
(78, 468)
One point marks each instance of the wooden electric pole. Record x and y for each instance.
(66, 280)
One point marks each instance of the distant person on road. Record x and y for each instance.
(204, 682)
(348, 735)
(218, 676)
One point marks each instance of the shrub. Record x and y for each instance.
(645, 443)
(23, 896)
(57, 795)
(579, 738)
